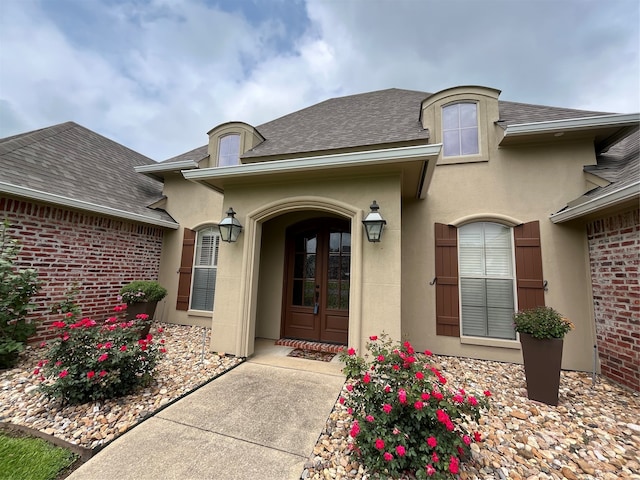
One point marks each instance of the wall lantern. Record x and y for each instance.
(229, 227)
(374, 223)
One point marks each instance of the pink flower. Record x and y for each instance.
(466, 439)
(142, 316)
(432, 442)
(103, 357)
(351, 352)
(43, 344)
(349, 387)
(379, 443)
(366, 378)
(437, 395)
(355, 429)
(430, 470)
(341, 400)
(400, 450)
(387, 408)
(458, 398)
(91, 374)
(449, 425)
(472, 401)
(402, 396)
(396, 431)
(419, 375)
(163, 350)
(63, 373)
(373, 338)
(425, 396)
(36, 371)
(350, 411)
(442, 415)
(387, 388)
(369, 418)
(435, 458)
(387, 456)
(160, 329)
(477, 436)
(453, 465)
(108, 345)
(381, 358)
(418, 405)
(487, 393)
(102, 373)
(123, 348)
(396, 367)
(409, 348)
(428, 353)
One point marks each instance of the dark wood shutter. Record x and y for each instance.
(186, 267)
(447, 294)
(530, 283)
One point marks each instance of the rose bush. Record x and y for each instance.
(91, 361)
(405, 418)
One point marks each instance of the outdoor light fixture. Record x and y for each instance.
(374, 223)
(229, 227)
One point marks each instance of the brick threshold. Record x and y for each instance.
(313, 346)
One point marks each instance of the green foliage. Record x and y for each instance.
(92, 361)
(142, 291)
(17, 287)
(541, 323)
(405, 418)
(25, 458)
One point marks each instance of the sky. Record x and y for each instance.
(157, 75)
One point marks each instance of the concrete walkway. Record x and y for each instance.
(258, 421)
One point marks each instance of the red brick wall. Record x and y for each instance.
(100, 254)
(614, 246)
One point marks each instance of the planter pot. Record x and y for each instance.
(542, 363)
(142, 307)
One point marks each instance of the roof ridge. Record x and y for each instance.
(16, 142)
(555, 107)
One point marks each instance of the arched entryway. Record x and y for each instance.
(316, 290)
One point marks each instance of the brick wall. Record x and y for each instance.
(100, 254)
(614, 246)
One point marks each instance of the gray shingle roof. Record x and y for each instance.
(74, 162)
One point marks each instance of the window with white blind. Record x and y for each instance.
(486, 266)
(229, 150)
(205, 265)
(460, 129)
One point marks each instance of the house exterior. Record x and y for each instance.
(73, 200)
(490, 207)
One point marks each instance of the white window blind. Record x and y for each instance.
(487, 300)
(205, 269)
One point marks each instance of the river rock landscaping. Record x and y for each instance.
(594, 432)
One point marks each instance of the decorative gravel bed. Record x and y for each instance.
(185, 366)
(594, 432)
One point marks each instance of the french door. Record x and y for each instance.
(317, 276)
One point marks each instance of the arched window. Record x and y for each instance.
(487, 276)
(460, 129)
(229, 150)
(205, 266)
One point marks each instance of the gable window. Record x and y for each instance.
(205, 265)
(229, 150)
(487, 303)
(460, 129)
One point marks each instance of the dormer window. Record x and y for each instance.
(460, 129)
(229, 150)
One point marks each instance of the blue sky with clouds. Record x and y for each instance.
(156, 75)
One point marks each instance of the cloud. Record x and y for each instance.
(156, 75)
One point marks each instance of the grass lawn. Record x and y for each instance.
(26, 458)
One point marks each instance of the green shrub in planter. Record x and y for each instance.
(142, 291)
(541, 323)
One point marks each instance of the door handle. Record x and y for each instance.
(316, 308)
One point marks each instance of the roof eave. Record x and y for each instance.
(157, 171)
(611, 199)
(216, 177)
(32, 194)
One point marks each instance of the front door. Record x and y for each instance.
(317, 274)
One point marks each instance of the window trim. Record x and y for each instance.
(198, 232)
(489, 341)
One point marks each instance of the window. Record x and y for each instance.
(229, 150)
(485, 262)
(204, 268)
(460, 129)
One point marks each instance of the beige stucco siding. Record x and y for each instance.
(249, 290)
(516, 184)
(192, 206)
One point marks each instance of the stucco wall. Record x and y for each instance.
(614, 246)
(66, 247)
(525, 184)
(192, 206)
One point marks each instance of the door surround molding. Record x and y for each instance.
(250, 272)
